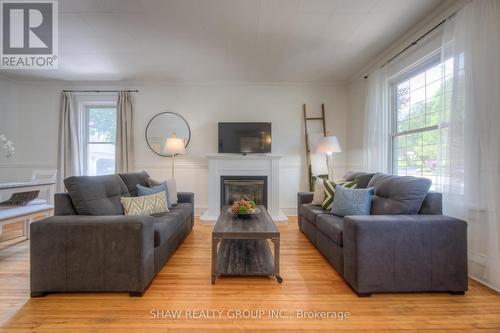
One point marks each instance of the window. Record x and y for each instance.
(420, 97)
(99, 138)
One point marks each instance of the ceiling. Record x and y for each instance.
(225, 40)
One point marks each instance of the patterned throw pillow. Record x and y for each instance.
(330, 191)
(145, 205)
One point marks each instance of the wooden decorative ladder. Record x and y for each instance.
(308, 149)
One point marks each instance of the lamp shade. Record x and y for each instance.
(174, 146)
(328, 145)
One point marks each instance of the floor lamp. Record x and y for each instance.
(329, 145)
(174, 146)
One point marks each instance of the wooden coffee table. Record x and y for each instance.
(244, 247)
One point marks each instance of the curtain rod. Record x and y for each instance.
(101, 91)
(415, 42)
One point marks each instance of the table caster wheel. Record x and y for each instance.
(213, 279)
(279, 279)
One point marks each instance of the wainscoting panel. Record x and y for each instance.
(191, 177)
(12, 172)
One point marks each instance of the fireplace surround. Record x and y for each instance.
(240, 166)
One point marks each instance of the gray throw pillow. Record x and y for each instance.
(348, 201)
(172, 198)
(162, 187)
(398, 195)
(363, 178)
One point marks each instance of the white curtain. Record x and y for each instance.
(124, 161)
(377, 138)
(469, 162)
(69, 163)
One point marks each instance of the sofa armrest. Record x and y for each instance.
(384, 253)
(185, 197)
(92, 253)
(303, 198)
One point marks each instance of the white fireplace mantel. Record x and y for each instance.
(241, 165)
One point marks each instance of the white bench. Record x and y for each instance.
(25, 214)
(46, 187)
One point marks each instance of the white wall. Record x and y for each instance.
(203, 106)
(8, 120)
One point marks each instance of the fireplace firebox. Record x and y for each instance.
(234, 188)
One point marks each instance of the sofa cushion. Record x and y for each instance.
(176, 217)
(309, 229)
(97, 195)
(363, 178)
(182, 210)
(310, 212)
(132, 179)
(331, 226)
(398, 195)
(165, 227)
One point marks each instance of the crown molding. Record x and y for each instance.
(126, 84)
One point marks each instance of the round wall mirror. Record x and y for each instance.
(163, 126)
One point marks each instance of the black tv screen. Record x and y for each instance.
(243, 138)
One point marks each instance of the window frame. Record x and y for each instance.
(426, 63)
(85, 107)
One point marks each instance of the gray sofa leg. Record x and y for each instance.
(136, 293)
(34, 294)
(456, 292)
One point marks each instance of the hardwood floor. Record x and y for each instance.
(310, 283)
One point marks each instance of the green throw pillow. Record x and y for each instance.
(330, 190)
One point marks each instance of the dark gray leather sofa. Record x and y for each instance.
(90, 246)
(412, 252)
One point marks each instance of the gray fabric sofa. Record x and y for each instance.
(389, 251)
(89, 245)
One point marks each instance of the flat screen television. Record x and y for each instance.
(244, 138)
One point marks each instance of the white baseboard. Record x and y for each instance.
(475, 278)
(198, 211)
(476, 258)
(289, 211)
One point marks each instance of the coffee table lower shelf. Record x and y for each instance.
(245, 257)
